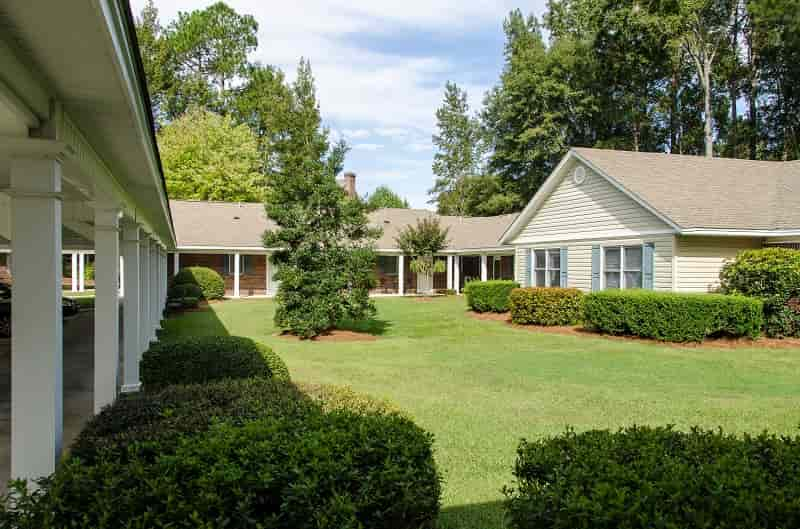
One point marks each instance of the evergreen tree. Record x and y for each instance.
(383, 197)
(324, 255)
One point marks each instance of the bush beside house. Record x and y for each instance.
(489, 296)
(672, 316)
(210, 282)
(546, 306)
(772, 275)
(643, 477)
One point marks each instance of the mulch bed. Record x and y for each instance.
(336, 335)
(577, 330)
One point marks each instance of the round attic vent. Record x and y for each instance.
(579, 175)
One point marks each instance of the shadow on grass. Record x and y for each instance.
(371, 326)
(489, 515)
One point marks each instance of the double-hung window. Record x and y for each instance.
(547, 267)
(622, 266)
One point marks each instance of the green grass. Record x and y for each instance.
(480, 386)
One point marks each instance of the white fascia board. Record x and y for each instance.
(224, 249)
(739, 233)
(612, 235)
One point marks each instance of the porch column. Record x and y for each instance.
(484, 269)
(36, 327)
(154, 316)
(457, 274)
(449, 271)
(176, 262)
(74, 271)
(164, 275)
(401, 274)
(145, 325)
(236, 259)
(81, 272)
(131, 308)
(106, 314)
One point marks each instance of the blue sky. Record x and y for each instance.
(380, 68)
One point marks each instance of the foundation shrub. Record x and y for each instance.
(546, 306)
(210, 282)
(489, 296)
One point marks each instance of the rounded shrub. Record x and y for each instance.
(206, 358)
(643, 477)
(546, 306)
(772, 275)
(180, 291)
(210, 282)
(336, 398)
(489, 296)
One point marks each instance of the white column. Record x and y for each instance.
(36, 327)
(236, 259)
(401, 274)
(484, 269)
(81, 272)
(154, 316)
(106, 314)
(449, 271)
(145, 324)
(74, 267)
(131, 308)
(176, 262)
(267, 274)
(457, 274)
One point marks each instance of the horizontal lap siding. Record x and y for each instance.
(521, 266)
(700, 260)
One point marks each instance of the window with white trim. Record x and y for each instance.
(547, 267)
(622, 267)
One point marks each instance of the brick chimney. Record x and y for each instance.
(350, 184)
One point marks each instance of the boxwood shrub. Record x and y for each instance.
(642, 477)
(489, 296)
(205, 358)
(184, 290)
(332, 398)
(546, 306)
(210, 282)
(673, 317)
(772, 275)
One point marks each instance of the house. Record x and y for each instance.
(228, 237)
(79, 174)
(613, 219)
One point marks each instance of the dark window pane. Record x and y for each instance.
(612, 259)
(633, 280)
(612, 280)
(554, 259)
(555, 278)
(633, 258)
(540, 258)
(540, 276)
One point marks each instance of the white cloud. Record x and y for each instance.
(354, 134)
(392, 132)
(419, 147)
(367, 146)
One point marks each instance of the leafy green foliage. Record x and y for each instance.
(210, 282)
(208, 157)
(642, 477)
(205, 358)
(772, 275)
(182, 290)
(383, 197)
(343, 398)
(546, 306)
(673, 317)
(325, 259)
(489, 296)
(422, 242)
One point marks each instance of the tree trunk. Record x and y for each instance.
(673, 113)
(636, 135)
(707, 108)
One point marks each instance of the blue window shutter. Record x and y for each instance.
(595, 268)
(564, 254)
(528, 262)
(648, 265)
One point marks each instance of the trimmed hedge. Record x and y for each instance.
(184, 290)
(206, 358)
(333, 398)
(210, 282)
(641, 478)
(489, 296)
(772, 275)
(546, 306)
(673, 317)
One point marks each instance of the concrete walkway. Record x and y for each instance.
(78, 384)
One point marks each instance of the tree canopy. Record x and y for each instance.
(384, 197)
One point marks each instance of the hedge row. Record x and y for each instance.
(546, 306)
(206, 358)
(641, 478)
(671, 316)
(489, 296)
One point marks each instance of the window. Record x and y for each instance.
(227, 265)
(547, 267)
(622, 266)
(248, 264)
(388, 265)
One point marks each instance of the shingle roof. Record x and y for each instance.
(715, 193)
(241, 225)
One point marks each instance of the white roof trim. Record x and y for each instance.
(721, 232)
(552, 182)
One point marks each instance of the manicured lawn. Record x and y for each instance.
(480, 386)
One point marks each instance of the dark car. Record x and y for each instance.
(69, 307)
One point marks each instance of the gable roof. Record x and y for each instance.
(232, 225)
(692, 194)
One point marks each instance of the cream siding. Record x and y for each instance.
(593, 210)
(521, 266)
(700, 260)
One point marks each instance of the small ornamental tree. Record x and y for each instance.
(325, 258)
(422, 242)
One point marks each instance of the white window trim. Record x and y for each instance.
(622, 269)
(546, 268)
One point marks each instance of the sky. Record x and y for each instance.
(380, 68)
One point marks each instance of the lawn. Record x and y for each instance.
(480, 386)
